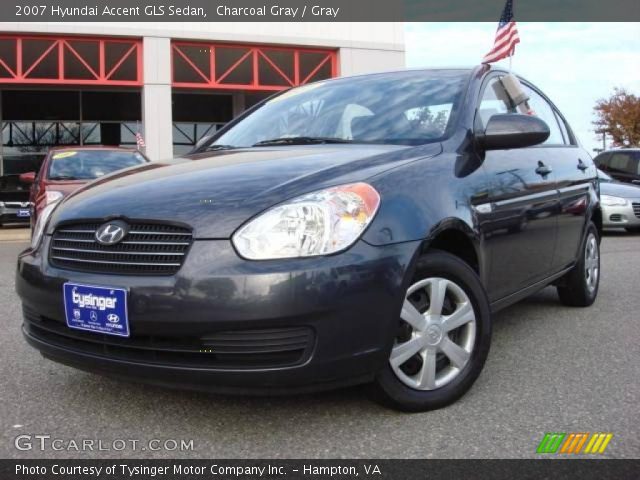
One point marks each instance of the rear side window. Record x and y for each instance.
(566, 133)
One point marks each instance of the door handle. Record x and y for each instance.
(582, 166)
(543, 169)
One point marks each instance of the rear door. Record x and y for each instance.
(521, 219)
(574, 173)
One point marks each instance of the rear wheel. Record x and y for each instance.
(580, 286)
(442, 339)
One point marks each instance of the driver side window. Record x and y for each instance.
(494, 101)
(543, 110)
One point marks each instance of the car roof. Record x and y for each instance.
(622, 149)
(392, 72)
(92, 147)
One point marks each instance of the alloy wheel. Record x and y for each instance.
(591, 262)
(436, 335)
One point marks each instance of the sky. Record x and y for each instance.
(574, 64)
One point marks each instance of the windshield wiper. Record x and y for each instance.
(211, 148)
(301, 141)
(63, 177)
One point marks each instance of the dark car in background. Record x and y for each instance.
(349, 231)
(620, 204)
(65, 169)
(622, 164)
(15, 206)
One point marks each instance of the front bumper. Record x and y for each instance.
(622, 216)
(348, 304)
(11, 215)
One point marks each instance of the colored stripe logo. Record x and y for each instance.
(573, 443)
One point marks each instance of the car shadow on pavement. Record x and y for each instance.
(507, 322)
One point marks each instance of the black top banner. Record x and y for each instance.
(313, 10)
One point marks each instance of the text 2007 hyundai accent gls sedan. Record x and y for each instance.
(357, 230)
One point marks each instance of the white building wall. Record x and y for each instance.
(379, 36)
(156, 98)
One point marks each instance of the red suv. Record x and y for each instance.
(65, 169)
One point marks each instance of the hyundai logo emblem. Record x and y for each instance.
(112, 232)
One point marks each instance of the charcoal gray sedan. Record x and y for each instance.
(356, 230)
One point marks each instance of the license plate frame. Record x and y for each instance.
(96, 309)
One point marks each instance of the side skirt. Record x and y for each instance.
(526, 292)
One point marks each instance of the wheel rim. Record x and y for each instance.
(435, 339)
(591, 262)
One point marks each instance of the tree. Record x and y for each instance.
(619, 117)
(423, 118)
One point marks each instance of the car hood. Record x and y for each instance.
(66, 187)
(619, 189)
(216, 193)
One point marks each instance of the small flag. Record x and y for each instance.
(140, 140)
(506, 36)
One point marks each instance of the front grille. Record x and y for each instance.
(17, 204)
(240, 349)
(148, 249)
(616, 217)
(636, 209)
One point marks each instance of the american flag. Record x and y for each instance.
(140, 140)
(506, 36)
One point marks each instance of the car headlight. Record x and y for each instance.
(610, 201)
(53, 196)
(41, 223)
(317, 223)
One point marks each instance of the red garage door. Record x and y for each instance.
(248, 67)
(70, 60)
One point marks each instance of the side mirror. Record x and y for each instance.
(28, 177)
(513, 130)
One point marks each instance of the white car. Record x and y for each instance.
(620, 204)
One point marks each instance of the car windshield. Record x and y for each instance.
(404, 108)
(90, 164)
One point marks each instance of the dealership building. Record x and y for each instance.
(101, 83)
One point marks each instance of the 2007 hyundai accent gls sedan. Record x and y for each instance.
(357, 230)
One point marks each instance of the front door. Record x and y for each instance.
(520, 224)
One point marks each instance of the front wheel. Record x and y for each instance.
(579, 287)
(442, 338)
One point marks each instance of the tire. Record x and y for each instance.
(579, 287)
(401, 383)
